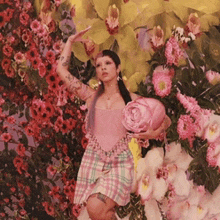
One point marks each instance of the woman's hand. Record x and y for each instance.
(78, 36)
(152, 134)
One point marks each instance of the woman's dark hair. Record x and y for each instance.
(122, 88)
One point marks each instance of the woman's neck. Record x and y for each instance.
(111, 88)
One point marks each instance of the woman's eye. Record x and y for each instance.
(108, 62)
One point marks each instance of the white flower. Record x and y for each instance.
(152, 211)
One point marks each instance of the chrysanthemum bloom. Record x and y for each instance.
(6, 137)
(112, 21)
(162, 84)
(173, 52)
(157, 38)
(189, 103)
(186, 128)
(50, 55)
(32, 53)
(19, 57)
(193, 25)
(213, 155)
(213, 77)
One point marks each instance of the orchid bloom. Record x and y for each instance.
(112, 21)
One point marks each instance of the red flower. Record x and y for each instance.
(42, 70)
(10, 72)
(6, 63)
(24, 18)
(2, 19)
(7, 50)
(69, 190)
(21, 150)
(23, 212)
(11, 120)
(84, 142)
(50, 56)
(51, 170)
(76, 210)
(36, 62)
(27, 190)
(55, 192)
(48, 208)
(32, 54)
(35, 26)
(21, 203)
(9, 14)
(6, 137)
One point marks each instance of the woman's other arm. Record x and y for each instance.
(73, 84)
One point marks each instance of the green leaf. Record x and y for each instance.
(101, 6)
(79, 51)
(98, 33)
(128, 13)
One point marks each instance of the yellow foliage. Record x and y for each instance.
(136, 151)
(134, 80)
(207, 21)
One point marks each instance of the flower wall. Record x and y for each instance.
(169, 51)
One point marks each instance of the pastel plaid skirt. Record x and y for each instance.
(112, 178)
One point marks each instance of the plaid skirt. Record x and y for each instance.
(113, 179)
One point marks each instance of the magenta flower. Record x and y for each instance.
(173, 52)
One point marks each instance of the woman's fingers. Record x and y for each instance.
(78, 36)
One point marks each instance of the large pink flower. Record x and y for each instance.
(142, 113)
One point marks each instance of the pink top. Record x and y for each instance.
(108, 127)
(110, 137)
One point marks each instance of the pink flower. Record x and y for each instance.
(138, 115)
(189, 103)
(213, 77)
(19, 57)
(51, 170)
(173, 52)
(21, 149)
(186, 128)
(212, 132)
(11, 119)
(145, 188)
(213, 155)
(162, 83)
(112, 21)
(193, 23)
(157, 37)
(24, 18)
(35, 26)
(6, 137)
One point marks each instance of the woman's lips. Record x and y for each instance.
(104, 74)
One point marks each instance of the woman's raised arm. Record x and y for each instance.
(73, 84)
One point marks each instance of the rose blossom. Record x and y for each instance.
(138, 115)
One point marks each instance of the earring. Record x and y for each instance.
(100, 82)
(119, 78)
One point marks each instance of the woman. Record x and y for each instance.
(106, 173)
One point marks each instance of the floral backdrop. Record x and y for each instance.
(169, 50)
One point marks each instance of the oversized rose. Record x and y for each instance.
(142, 113)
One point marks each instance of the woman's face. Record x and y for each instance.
(106, 69)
